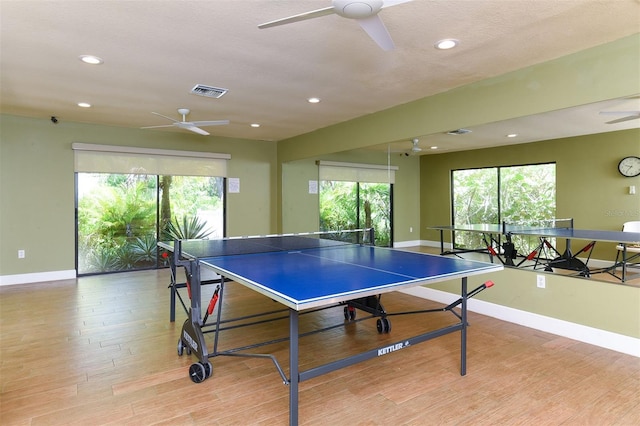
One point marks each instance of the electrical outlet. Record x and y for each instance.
(411, 229)
(541, 281)
(21, 254)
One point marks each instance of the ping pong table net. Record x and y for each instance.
(538, 224)
(272, 243)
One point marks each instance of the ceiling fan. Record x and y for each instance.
(414, 147)
(365, 12)
(193, 126)
(414, 150)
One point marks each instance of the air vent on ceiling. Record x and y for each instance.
(459, 132)
(208, 91)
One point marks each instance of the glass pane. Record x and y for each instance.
(116, 222)
(338, 205)
(375, 211)
(191, 207)
(528, 197)
(475, 200)
(117, 217)
(349, 205)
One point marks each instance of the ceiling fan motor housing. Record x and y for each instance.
(354, 9)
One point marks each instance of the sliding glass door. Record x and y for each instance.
(120, 217)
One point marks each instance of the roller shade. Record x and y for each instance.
(130, 160)
(356, 172)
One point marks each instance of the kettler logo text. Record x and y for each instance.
(392, 348)
(190, 340)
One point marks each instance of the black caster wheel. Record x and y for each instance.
(180, 347)
(383, 325)
(387, 325)
(197, 372)
(349, 313)
(208, 369)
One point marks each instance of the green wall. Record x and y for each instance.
(37, 185)
(597, 304)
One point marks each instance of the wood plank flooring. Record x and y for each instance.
(101, 351)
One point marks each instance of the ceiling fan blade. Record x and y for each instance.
(195, 129)
(164, 116)
(210, 123)
(620, 120)
(374, 26)
(155, 127)
(299, 17)
(389, 3)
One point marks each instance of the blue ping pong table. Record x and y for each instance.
(305, 274)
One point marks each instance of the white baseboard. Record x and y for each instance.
(593, 336)
(403, 244)
(429, 243)
(37, 277)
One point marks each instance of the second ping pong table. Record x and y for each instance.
(307, 273)
(506, 252)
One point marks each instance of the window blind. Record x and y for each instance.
(93, 158)
(356, 172)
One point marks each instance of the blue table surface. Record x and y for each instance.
(316, 277)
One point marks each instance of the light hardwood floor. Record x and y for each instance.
(101, 351)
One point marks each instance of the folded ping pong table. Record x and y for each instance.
(307, 273)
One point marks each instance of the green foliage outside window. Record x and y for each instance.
(118, 217)
(352, 205)
(515, 195)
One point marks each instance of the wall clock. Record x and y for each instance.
(629, 166)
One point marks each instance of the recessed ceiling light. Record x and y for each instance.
(255, 125)
(313, 100)
(448, 43)
(434, 147)
(90, 59)
(512, 135)
(84, 104)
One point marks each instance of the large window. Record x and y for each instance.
(356, 196)
(129, 198)
(516, 195)
(122, 217)
(354, 205)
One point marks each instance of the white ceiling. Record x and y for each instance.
(155, 51)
